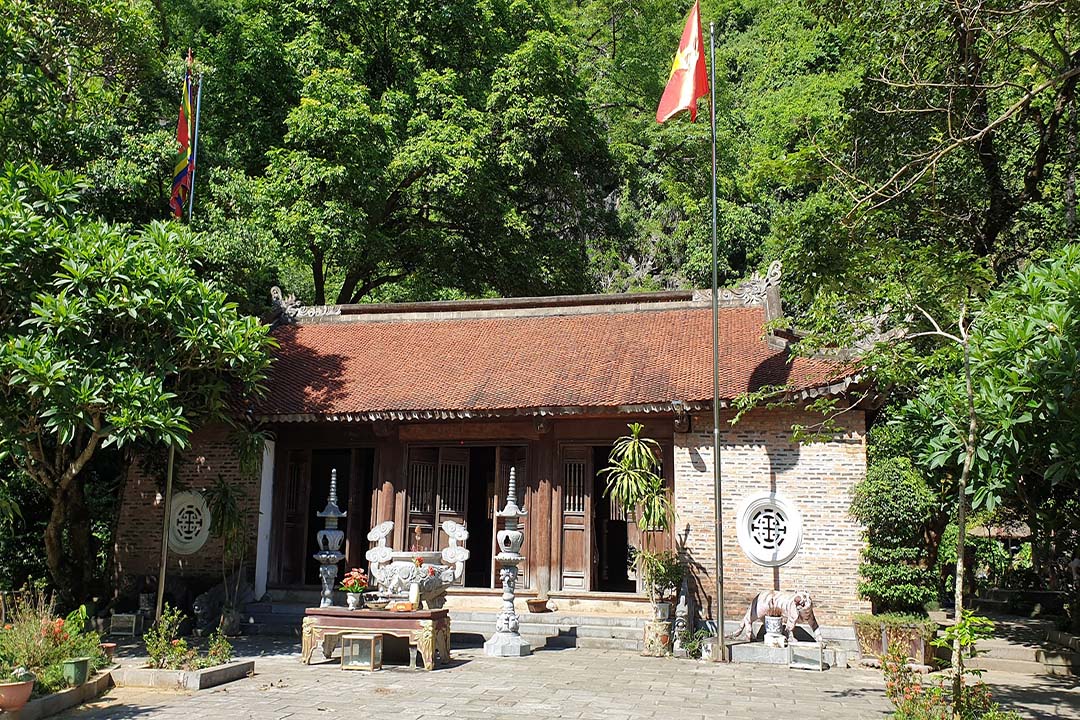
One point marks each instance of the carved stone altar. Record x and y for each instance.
(432, 572)
(425, 630)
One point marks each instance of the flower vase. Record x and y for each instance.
(13, 695)
(354, 600)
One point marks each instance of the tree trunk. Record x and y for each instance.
(961, 528)
(55, 557)
(80, 540)
(68, 543)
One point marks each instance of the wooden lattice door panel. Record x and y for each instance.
(575, 505)
(452, 489)
(438, 490)
(423, 471)
(294, 526)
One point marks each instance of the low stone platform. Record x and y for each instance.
(760, 653)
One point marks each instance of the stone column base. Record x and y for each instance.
(507, 645)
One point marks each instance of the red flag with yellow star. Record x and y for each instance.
(688, 80)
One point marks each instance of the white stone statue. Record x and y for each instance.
(432, 572)
(795, 608)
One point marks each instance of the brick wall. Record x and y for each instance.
(138, 534)
(758, 455)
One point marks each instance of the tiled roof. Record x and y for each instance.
(491, 365)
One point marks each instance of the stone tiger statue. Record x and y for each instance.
(795, 608)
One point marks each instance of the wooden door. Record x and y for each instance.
(453, 489)
(438, 490)
(294, 525)
(507, 458)
(574, 500)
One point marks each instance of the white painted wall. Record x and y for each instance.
(266, 503)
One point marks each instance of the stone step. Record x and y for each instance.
(539, 630)
(1021, 667)
(554, 619)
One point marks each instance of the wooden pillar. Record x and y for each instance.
(388, 459)
(543, 454)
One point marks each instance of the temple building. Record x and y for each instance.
(423, 408)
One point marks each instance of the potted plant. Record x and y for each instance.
(109, 648)
(635, 484)
(661, 573)
(911, 633)
(354, 584)
(15, 688)
(76, 670)
(228, 521)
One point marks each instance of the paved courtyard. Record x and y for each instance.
(570, 683)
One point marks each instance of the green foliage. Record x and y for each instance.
(107, 338)
(913, 699)
(892, 579)
(166, 650)
(634, 482)
(694, 642)
(159, 638)
(920, 623)
(991, 559)
(662, 572)
(968, 630)
(895, 505)
(37, 641)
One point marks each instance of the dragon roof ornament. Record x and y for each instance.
(753, 291)
(291, 309)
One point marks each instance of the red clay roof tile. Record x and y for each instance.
(520, 363)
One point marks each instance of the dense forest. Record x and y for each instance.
(909, 161)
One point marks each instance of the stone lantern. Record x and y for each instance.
(329, 540)
(507, 641)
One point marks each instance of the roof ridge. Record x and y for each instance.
(758, 290)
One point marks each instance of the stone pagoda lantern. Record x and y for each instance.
(329, 541)
(507, 641)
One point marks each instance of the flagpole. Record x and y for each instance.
(194, 150)
(165, 535)
(720, 652)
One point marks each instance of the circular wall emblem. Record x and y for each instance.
(769, 529)
(190, 523)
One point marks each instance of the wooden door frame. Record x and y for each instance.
(558, 487)
(277, 526)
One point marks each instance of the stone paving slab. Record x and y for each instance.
(578, 684)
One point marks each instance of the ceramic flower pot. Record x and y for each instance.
(774, 624)
(14, 695)
(109, 648)
(76, 670)
(661, 610)
(354, 600)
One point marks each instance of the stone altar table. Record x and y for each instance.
(425, 630)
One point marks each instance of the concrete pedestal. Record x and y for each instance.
(507, 645)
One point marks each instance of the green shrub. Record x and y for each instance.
(168, 651)
(895, 504)
(35, 639)
(160, 638)
(914, 700)
(693, 642)
(992, 560)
